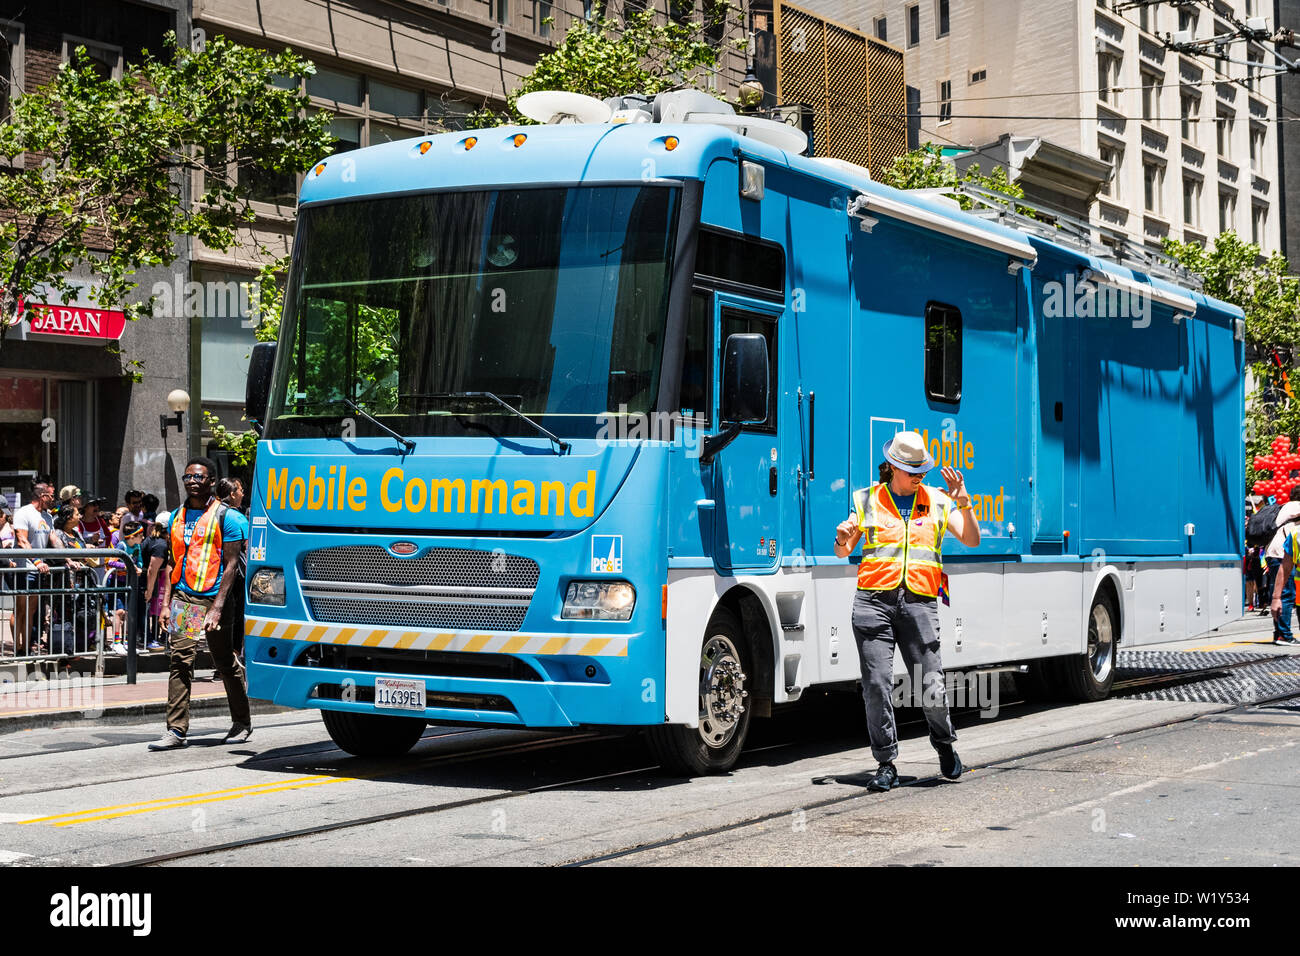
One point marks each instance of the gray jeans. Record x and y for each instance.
(881, 618)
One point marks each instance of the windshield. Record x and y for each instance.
(554, 300)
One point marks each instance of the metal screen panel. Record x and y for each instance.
(853, 83)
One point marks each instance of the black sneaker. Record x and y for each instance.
(949, 763)
(886, 778)
(1289, 641)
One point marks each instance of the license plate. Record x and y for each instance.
(393, 694)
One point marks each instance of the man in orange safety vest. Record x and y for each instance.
(901, 523)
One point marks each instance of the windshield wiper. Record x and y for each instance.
(493, 397)
(404, 442)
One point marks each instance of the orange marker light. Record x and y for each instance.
(320, 168)
(519, 139)
(663, 601)
(469, 143)
(670, 143)
(424, 147)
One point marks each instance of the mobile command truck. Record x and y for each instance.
(562, 419)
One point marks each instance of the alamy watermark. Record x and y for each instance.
(1076, 299)
(977, 689)
(632, 428)
(85, 694)
(212, 299)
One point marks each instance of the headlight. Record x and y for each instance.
(599, 601)
(266, 586)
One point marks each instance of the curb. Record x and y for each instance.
(122, 714)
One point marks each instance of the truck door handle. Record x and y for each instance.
(771, 481)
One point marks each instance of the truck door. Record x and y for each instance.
(1048, 417)
(746, 485)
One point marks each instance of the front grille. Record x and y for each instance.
(443, 588)
(484, 666)
(432, 698)
(437, 567)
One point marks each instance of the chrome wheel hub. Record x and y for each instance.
(722, 691)
(1101, 643)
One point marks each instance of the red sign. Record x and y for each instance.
(75, 321)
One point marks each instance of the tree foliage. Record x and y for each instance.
(1237, 272)
(603, 58)
(926, 168)
(100, 185)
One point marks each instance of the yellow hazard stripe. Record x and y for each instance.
(469, 642)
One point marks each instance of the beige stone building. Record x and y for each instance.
(390, 69)
(1191, 141)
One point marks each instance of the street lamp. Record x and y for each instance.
(178, 400)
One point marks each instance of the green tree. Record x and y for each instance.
(1236, 271)
(603, 58)
(926, 168)
(103, 184)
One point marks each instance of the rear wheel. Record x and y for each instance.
(373, 735)
(715, 745)
(1089, 676)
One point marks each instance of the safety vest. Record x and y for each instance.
(199, 562)
(892, 555)
(1295, 554)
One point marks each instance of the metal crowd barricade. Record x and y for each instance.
(67, 613)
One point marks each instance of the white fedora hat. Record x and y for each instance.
(907, 451)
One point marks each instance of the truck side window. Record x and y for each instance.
(735, 322)
(729, 258)
(942, 352)
(696, 394)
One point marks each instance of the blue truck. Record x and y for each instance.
(562, 419)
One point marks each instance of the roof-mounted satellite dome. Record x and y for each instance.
(559, 107)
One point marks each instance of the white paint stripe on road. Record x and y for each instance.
(1242, 756)
(17, 817)
(11, 856)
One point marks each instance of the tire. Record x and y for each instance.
(373, 735)
(1089, 676)
(715, 745)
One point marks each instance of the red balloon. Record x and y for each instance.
(1259, 463)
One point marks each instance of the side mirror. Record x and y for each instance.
(744, 379)
(744, 390)
(258, 389)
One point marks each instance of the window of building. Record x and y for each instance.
(228, 335)
(942, 18)
(1223, 132)
(979, 76)
(1187, 19)
(680, 10)
(1153, 176)
(1254, 60)
(395, 101)
(1148, 18)
(1227, 210)
(542, 12)
(1191, 202)
(1189, 112)
(105, 58)
(945, 101)
(501, 9)
(881, 28)
(736, 322)
(1150, 96)
(943, 352)
(342, 88)
(1107, 77)
(1256, 150)
(1114, 158)
(11, 64)
(914, 24)
(1258, 221)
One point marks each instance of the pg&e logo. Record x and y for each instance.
(607, 554)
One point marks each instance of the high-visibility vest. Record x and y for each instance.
(1295, 553)
(199, 562)
(892, 556)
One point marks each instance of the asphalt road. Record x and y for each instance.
(1119, 782)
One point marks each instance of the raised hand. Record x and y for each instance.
(956, 483)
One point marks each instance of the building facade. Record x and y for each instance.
(67, 411)
(1192, 141)
(1288, 139)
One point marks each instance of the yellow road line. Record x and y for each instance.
(180, 802)
(241, 791)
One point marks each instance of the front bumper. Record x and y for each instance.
(522, 680)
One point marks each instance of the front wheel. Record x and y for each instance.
(1089, 676)
(373, 735)
(715, 745)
